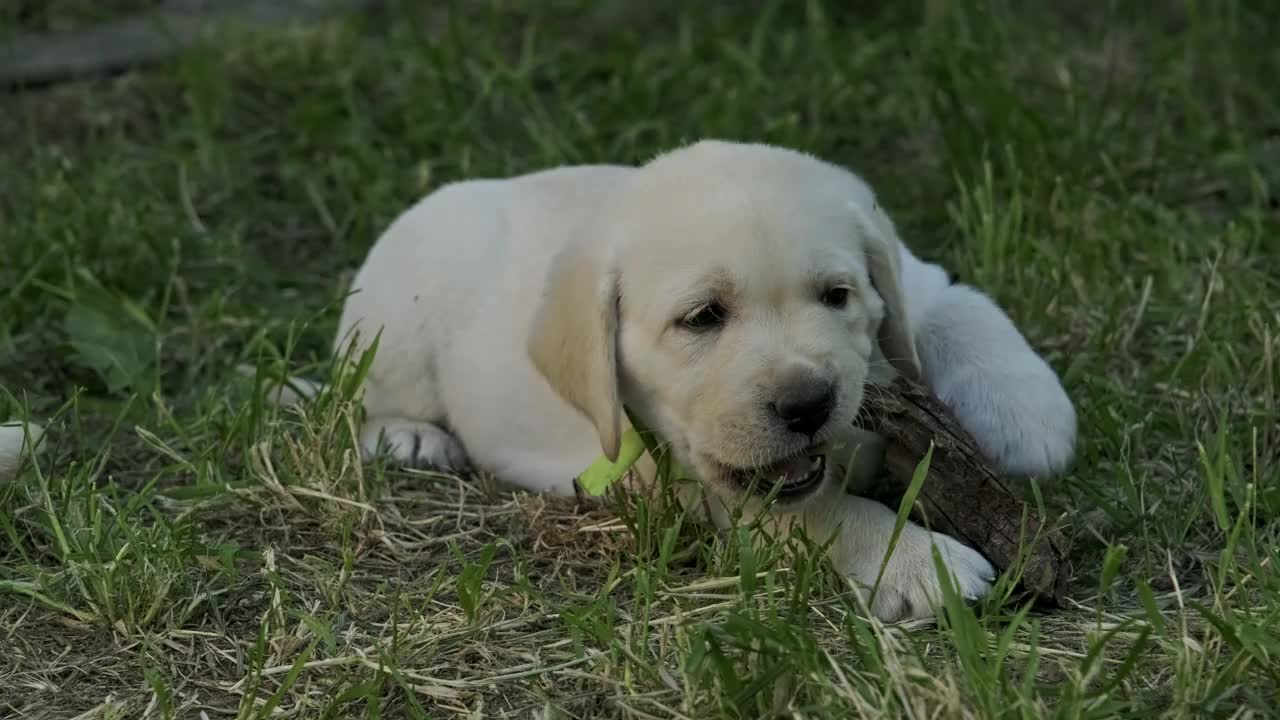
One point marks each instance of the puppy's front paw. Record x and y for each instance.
(1025, 423)
(415, 444)
(1000, 389)
(910, 588)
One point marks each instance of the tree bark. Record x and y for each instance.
(962, 496)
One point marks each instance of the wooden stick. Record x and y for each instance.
(962, 496)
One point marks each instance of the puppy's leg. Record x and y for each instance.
(414, 443)
(406, 418)
(860, 530)
(404, 411)
(978, 363)
(910, 587)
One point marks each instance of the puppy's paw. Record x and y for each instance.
(16, 443)
(1024, 422)
(1006, 395)
(910, 588)
(415, 444)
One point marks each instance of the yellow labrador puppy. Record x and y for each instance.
(737, 298)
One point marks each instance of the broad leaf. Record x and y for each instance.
(112, 337)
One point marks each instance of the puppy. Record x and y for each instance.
(737, 298)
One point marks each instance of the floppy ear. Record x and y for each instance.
(896, 341)
(573, 338)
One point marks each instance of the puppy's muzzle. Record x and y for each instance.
(793, 478)
(802, 406)
(805, 406)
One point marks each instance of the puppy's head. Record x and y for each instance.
(738, 299)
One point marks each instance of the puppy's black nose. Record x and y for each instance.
(805, 406)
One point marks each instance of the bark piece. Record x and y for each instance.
(962, 496)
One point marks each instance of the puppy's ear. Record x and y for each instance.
(896, 341)
(574, 336)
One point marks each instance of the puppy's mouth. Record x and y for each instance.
(794, 477)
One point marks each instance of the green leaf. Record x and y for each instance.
(299, 664)
(636, 440)
(602, 473)
(668, 467)
(112, 337)
(904, 509)
(471, 582)
(1148, 600)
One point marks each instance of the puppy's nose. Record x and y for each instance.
(805, 406)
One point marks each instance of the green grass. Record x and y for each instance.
(1109, 173)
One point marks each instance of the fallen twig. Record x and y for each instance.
(963, 496)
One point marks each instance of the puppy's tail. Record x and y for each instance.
(16, 441)
(291, 390)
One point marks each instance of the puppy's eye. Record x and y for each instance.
(705, 317)
(836, 297)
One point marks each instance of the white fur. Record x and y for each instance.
(1005, 395)
(14, 446)
(494, 299)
